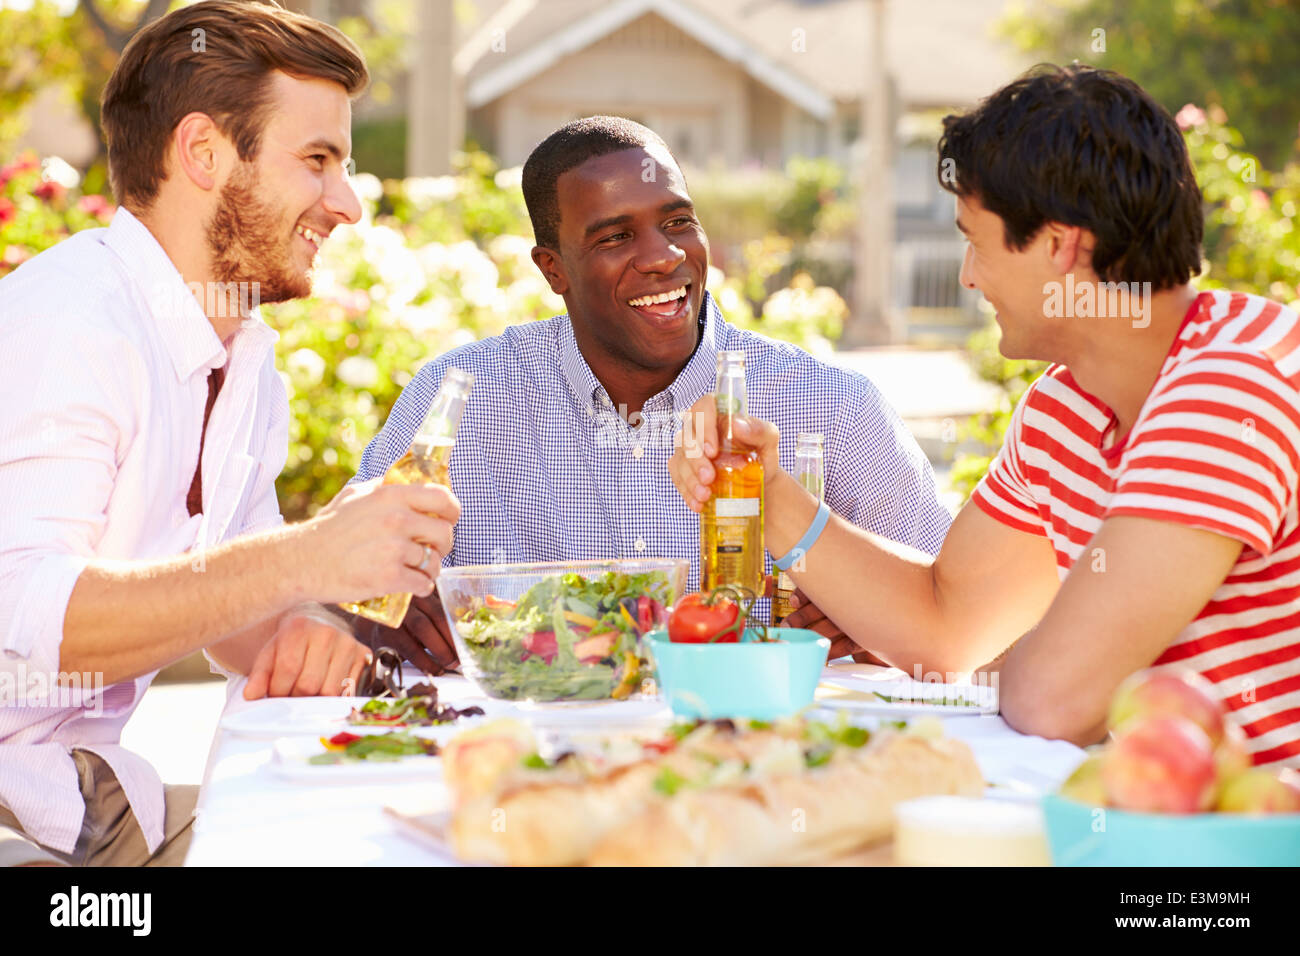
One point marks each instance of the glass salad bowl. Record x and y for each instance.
(558, 630)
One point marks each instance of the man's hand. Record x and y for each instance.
(807, 615)
(697, 444)
(423, 637)
(306, 657)
(375, 539)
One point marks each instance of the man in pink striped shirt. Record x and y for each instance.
(1143, 508)
(145, 425)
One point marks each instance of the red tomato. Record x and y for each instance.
(695, 621)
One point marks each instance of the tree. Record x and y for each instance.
(1232, 53)
(44, 47)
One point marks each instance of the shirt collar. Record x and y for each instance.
(694, 381)
(700, 374)
(189, 337)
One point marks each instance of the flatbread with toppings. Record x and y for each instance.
(713, 793)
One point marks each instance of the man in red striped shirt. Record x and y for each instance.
(1143, 508)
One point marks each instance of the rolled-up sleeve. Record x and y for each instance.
(61, 438)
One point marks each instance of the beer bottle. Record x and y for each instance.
(425, 464)
(809, 471)
(731, 526)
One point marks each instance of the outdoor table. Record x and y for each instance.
(248, 815)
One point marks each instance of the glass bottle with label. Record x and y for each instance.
(731, 527)
(809, 471)
(425, 464)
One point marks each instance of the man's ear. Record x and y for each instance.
(1069, 247)
(197, 150)
(552, 269)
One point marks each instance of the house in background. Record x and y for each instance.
(728, 84)
(735, 83)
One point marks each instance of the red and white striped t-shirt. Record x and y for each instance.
(1217, 447)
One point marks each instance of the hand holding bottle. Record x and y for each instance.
(697, 445)
(375, 539)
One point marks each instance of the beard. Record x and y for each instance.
(247, 242)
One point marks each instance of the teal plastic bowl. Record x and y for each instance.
(751, 679)
(1080, 835)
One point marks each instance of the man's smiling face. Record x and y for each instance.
(274, 211)
(632, 259)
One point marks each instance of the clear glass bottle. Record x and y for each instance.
(425, 464)
(810, 472)
(731, 527)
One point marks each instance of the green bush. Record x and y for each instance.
(379, 147)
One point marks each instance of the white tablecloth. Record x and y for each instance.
(250, 816)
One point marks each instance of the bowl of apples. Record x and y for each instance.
(1173, 786)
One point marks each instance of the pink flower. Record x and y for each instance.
(1260, 198)
(49, 190)
(7, 210)
(354, 301)
(1189, 116)
(97, 206)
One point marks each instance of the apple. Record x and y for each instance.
(1160, 765)
(1232, 755)
(1261, 791)
(1164, 693)
(1085, 784)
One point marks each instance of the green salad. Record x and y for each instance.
(567, 637)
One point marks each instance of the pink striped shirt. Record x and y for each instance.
(1216, 446)
(104, 356)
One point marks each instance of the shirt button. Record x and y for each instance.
(640, 544)
(637, 451)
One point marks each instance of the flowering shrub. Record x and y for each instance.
(434, 263)
(41, 205)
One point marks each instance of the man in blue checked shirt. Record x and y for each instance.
(563, 448)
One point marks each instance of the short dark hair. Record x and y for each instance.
(568, 147)
(1089, 148)
(214, 57)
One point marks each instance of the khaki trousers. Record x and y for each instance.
(110, 835)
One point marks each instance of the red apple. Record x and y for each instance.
(1261, 791)
(1163, 693)
(1161, 765)
(1085, 784)
(1232, 755)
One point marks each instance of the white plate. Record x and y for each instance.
(323, 716)
(290, 756)
(855, 693)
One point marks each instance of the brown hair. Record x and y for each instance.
(214, 57)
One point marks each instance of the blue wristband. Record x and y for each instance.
(807, 541)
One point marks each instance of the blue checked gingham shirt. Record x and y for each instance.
(546, 470)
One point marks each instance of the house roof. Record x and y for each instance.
(813, 68)
(545, 34)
